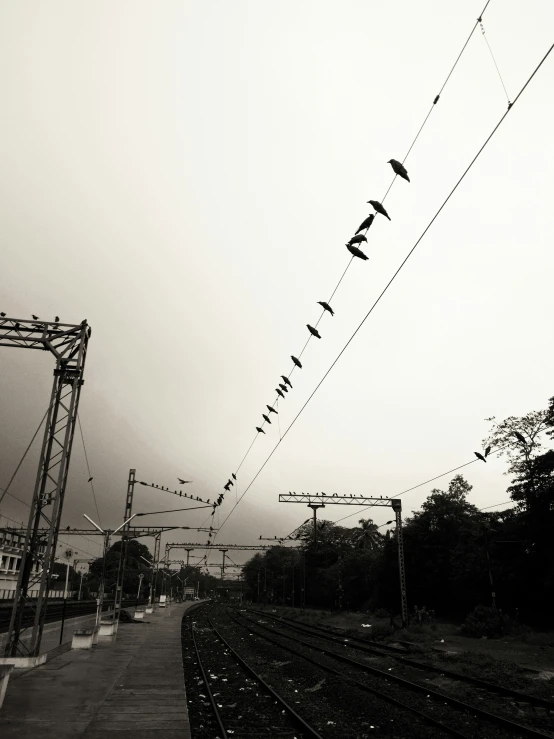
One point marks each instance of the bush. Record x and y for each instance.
(484, 621)
(382, 613)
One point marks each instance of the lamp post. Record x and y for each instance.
(107, 534)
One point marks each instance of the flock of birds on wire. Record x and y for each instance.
(285, 386)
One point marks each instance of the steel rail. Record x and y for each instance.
(217, 715)
(362, 686)
(302, 724)
(492, 717)
(361, 646)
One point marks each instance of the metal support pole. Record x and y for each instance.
(491, 581)
(397, 508)
(314, 507)
(124, 541)
(157, 544)
(38, 554)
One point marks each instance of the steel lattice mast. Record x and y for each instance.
(68, 343)
(320, 500)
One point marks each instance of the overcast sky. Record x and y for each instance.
(184, 175)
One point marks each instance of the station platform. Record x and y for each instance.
(133, 687)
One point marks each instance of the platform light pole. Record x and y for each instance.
(107, 534)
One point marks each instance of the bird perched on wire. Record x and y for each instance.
(399, 169)
(286, 380)
(260, 430)
(364, 225)
(284, 388)
(3, 315)
(35, 318)
(488, 451)
(357, 240)
(326, 307)
(233, 476)
(280, 393)
(296, 361)
(90, 479)
(379, 208)
(57, 319)
(480, 456)
(520, 437)
(266, 418)
(184, 482)
(230, 482)
(356, 252)
(227, 487)
(313, 331)
(270, 409)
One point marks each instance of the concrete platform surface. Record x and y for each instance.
(133, 687)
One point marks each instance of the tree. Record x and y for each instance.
(371, 537)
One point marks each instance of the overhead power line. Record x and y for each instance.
(90, 477)
(6, 490)
(422, 126)
(387, 286)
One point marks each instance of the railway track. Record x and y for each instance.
(226, 695)
(421, 700)
(399, 655)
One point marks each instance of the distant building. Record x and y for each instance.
(11, 548)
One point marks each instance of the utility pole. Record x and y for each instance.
(124, 543)
(223, 551)
(68, 343)
(314, 507)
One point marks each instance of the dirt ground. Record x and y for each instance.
(534, 652)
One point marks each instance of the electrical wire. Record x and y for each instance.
(6, 490)
(422, 126)
(396, 273)
(89, 472)
(495, 64)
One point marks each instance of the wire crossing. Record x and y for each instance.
(390, 282)
(359, 238)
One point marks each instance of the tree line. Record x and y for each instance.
(457, 557)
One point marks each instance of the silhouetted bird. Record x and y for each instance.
(233, 476)
(184, 482)
(326, 307)
(260, 430)
(286, 380)
(356, 252)
(399, 169)
(35, 318)
(520, 437)
(226, 487)
(296, 362)
(488, 451)
(284, 388)
(313, 331)
(366, 224)
(356, 240)
(379, 208)
(230, 482)
(3, 315)
(90, 479)
(480, 456)
(266, 418)
(16, 325)
(57, 319)
(280, 393)
(270, 409)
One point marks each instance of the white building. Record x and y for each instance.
(11, 547)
